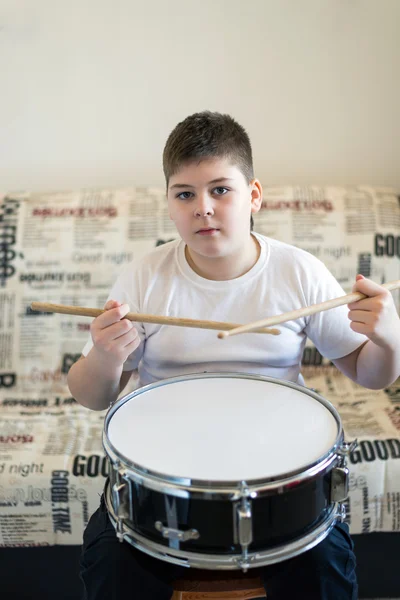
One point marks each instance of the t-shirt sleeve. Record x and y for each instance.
(122, 292)
(330, 330)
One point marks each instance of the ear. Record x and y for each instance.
(256, 195)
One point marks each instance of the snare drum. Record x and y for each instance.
(224, 471)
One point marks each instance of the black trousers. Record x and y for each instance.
(111, 570)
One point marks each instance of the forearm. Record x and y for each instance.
(377, 366)
(94, 383)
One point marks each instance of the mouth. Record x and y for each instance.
(207, 231)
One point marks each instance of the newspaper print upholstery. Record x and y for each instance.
(67, 248)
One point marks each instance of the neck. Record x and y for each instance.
(225, 267)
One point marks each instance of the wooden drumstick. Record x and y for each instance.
(303, 312)
(143, 318)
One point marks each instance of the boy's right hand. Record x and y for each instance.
(114, 337)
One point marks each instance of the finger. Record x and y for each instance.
(111, 316)
(127, 339)
(132, 339)
(363, 304)
(377, 303)
(362, 316)
(123, 332)
(110, 337)
(118, 330)
(111, 304)
(368, 287)
(360, 328)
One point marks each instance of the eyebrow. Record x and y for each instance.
(187, 185)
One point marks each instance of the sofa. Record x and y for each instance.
(67, 248)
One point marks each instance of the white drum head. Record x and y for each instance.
(222, 429)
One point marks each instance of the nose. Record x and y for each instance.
(204, 207)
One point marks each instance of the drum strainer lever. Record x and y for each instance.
(176, 534)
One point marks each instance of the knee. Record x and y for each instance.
(335, 552)
(106, 553)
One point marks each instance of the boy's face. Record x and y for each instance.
(210, 203)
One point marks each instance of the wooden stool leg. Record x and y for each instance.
(177, 596)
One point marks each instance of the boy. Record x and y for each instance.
(225, 273)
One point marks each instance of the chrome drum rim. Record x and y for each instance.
(164, 483)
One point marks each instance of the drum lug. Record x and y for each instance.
(119, 491)
(339, 484)
(176, 534)
(340, 474)
(245, 526)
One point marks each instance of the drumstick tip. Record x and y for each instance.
(223, 334)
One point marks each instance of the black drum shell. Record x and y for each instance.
(278, 516)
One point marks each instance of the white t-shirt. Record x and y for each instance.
(284, 278)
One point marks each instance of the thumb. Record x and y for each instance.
(359, 277)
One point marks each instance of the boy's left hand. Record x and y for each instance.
(375, 316)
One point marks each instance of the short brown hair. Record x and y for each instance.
(208, 135)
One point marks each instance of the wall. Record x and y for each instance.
(90, 89)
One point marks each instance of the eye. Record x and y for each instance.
(184, 195)
(220, 191)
